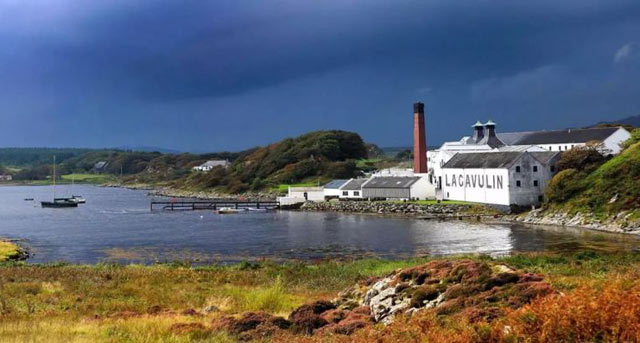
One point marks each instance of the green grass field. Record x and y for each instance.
(88, 178)
(284, 187)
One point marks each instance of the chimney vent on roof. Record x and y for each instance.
(491, 128)
(478, 131)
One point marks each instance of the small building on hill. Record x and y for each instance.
(6, 177)
(512, 178)
(207, 166)
(100, 166)
(352, 189)
(332, 189)
(398, 188)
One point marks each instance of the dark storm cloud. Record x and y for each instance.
(102, 63)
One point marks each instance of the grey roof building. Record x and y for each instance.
(398, 187)
(496, 160)
(566, 136)
(500, 178)
(354, 185)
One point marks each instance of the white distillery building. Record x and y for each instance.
(332, 189)
(352, 189)
(500, 178)
(207, 166)
(486, 139)
(399, 188)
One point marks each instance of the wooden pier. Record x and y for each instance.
(183, 205)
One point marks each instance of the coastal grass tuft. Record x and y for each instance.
(8, 251)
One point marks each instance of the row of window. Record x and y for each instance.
(355, 193)
(566, 147)
(519, 184)
(535, 169)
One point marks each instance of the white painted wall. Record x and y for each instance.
(613, 142)
(313, 193)
(423, 189)
(351, 194)
(490, 186)
(332, 192)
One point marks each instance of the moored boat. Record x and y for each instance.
(229, 210)
(59, 203)
(79, 199)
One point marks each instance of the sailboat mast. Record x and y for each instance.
(54, 177)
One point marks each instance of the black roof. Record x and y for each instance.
(483, 160)
(565, 136)
(354, 185)
(495, 160)
(392, 182)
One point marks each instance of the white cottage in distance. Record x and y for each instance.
(207, 166)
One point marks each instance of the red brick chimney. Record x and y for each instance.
(419, 140)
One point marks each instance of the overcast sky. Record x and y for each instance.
(227, 75)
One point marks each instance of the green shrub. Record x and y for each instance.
(564, 185)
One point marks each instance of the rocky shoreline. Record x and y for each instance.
(619, 223)
(396, 208)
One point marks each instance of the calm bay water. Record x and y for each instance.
(117, 225)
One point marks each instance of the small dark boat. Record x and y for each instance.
(28, 199)
(59, 203)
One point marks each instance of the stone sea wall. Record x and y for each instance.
(381, 207)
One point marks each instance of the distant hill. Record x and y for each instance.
(28, 157)
(629, 121)
(145, 148)
(318, 156)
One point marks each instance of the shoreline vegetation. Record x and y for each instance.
(10, 251)
(584, 296)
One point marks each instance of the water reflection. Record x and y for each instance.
(116, 225)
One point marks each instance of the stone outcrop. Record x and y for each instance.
(477, 290)
(383, 207)
(621, 222)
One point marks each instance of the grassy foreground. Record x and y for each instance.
(115, 303)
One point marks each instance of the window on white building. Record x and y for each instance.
(535, 183)
(517, 169)
(535, 168)
(345, 193)
(518, 183)
(356, 193)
